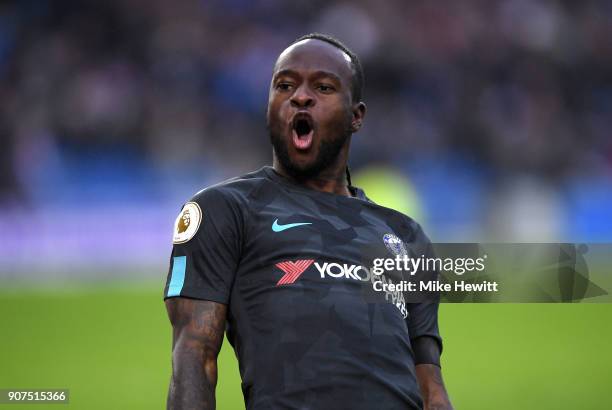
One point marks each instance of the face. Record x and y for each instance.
(311, 114)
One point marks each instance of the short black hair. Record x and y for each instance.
(357, 83)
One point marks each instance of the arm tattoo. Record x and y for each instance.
(197, 335)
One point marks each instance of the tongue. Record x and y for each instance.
(302, 142)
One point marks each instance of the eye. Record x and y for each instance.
(283, 86)
(325, 88)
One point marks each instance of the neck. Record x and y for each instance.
(331, 179)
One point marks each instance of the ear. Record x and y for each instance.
(359, 111)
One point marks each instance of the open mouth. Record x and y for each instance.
(303, 131)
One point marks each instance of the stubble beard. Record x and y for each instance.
(327, 153)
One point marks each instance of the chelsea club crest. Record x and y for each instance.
(395, 245)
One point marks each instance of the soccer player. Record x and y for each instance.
(274, 257)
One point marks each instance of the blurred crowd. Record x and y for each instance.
(495, 111)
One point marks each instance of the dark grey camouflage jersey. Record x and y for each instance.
(291, 265)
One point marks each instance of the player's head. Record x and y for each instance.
(314, 104)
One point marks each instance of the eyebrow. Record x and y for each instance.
(319, 73)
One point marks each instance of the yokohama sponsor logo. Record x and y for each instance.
(337, 270)
(293, 270)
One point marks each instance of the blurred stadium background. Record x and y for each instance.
(488, 121)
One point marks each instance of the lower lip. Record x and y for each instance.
(302, 142)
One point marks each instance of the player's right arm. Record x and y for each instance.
(205, 256)
(197, 335)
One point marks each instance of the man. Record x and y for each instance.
(276, 256)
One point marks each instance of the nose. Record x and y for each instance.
(302, 98)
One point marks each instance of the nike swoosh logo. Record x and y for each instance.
(276, 227)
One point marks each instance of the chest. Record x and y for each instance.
(294, 224)
(334, 235)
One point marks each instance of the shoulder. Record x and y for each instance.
(223, 206)
(413, 233)
(409, 229)
(225, 202)
(234, 192)
(410, 232)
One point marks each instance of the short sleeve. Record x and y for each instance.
(422, 317)
(206, 248)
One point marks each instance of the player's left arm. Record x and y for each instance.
(429, 374)
(427, 348)
(425, 339)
